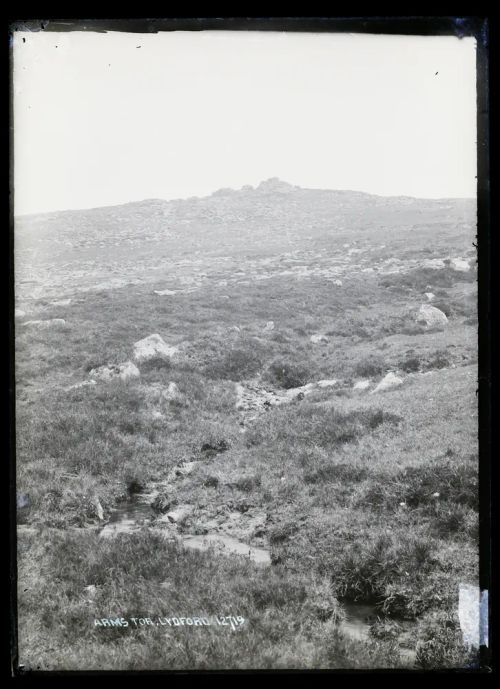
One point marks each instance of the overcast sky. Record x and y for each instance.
(99, 120)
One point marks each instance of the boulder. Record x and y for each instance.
(61, 302)
(151, 348)
(434, 263)
(50, 323)
(362, 385)
(460, 265)
(91, 590)
(185, 469)
(326, 383)
(124, 371)
(300, 392)
(318, 337)
(431, 317)
(173, 394)
(98, 509)
(162, 503)
(180, 513)
(84, 384)
(388, 382)
(157, 415)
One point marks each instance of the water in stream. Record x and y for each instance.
(132, 514)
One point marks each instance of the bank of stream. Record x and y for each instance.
(136, 512)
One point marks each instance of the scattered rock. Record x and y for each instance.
(213, 449)
(124, 371)
(431, 316)
(99, 510)
(161, 503)
(61, 302)
(435, 263)
(388, 382)
(153, 347)
(460, 265)
(50, 323)
(362, 385)
(84, 384)
(318, 337)
(300, 392)
(165, 292)
(185, 469)
(430, 296)
(157, 415)
(269, 326)
(172, 392)
(180, 513)
(91, 590)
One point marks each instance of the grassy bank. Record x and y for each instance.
(368, 498)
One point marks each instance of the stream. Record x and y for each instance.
(134, 513)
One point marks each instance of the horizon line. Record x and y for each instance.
(236, 190)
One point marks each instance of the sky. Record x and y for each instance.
(104, 119)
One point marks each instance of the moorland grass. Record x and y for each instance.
(348, 482)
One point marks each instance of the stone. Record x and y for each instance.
(326, 383)
(151, 348)
(389, 382)
(172, 391)
(173, 394)
(61, 302)
(269, 326)
(299, 392)
(434, 263)
(91, 590)
(125, 371)
(212, 449)
(19, 313)
(338, 283)
(50, 323)
(157, 415)
(317, 338)
(99, 510)
(161, 503)
(186, 468)
(430, 296)
(362, 385)
(431, 317)
(180, 513)
(460, 265)
(84, 384)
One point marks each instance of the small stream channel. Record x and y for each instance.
(136, 512)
